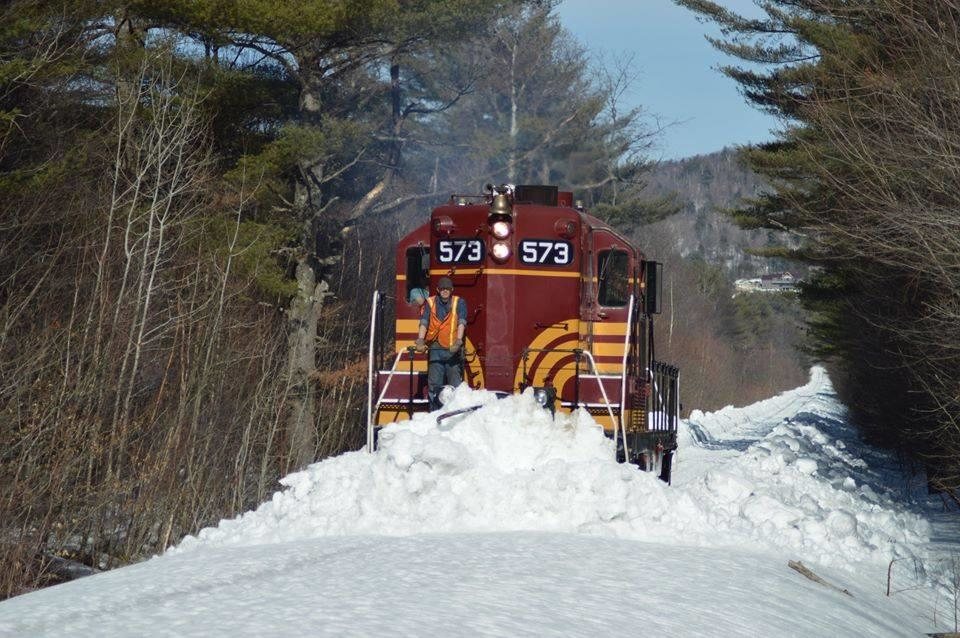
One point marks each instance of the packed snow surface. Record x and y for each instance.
(506, 521)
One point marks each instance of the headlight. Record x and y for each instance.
(500, 229)
(545, 397)
(500, 251)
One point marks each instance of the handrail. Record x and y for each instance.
(603, 391)
(386, 385)
(373, 336)
(623, 377)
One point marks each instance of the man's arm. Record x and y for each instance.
(424, 319)
(422, 328)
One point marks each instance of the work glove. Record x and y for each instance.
(420, 345)
(455, 346)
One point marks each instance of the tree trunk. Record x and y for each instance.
(302, 319)
(304, 311)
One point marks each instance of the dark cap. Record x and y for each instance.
(445, 282)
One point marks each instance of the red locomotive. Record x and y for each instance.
(557, 300)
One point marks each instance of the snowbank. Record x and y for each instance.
(782, 473)
(776, 477)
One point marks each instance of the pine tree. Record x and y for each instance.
(864, 169)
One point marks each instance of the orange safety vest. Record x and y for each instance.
(443, 332)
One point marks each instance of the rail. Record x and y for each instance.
(613, 420)
(623, 377)
(663, 412)
(577, 353)
(373, 371)
(386, 386)
(371, 409)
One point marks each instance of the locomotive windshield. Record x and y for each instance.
(614, 283)
(418, 269)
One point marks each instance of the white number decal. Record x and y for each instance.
(460, 251)
(551, 253)
(547, 247)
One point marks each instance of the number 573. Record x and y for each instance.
(458, 251)
(540, 251)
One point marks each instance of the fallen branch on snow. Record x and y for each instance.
(802, 569)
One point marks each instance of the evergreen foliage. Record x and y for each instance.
(865, 171)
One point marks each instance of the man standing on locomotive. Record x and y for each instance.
(442, 325)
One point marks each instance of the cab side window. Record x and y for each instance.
(613, 268)
(418, 274)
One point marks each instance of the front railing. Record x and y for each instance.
(663, 406)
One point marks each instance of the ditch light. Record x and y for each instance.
(546, 397)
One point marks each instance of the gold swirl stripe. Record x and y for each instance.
(559, 332)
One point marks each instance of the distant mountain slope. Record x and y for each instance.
(704, 185)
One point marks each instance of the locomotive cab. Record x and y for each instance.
(556, 300)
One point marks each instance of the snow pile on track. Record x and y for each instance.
(776, 476)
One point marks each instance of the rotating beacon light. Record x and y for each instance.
(443, 226)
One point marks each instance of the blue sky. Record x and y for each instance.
(677, 78)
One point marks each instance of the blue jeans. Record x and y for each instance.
(444, 369)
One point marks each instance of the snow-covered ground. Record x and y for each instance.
(505, 522)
